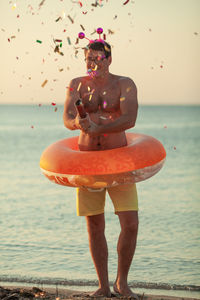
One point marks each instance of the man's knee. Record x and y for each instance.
(129, 221)
(95, 224)
(131, 227)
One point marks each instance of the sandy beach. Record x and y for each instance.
(22, 293)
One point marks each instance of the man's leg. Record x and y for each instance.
(126, 248)
(99, 252)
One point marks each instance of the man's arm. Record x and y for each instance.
(70, 113)
(128, 107)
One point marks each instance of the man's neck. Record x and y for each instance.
(102, 80)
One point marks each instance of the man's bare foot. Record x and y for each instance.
(124, 290)
(101, 292)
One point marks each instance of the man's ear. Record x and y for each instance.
(109, 60)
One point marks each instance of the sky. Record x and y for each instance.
(154, 42)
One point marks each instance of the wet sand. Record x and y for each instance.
(33, 293)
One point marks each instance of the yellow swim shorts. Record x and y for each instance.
(91, 202)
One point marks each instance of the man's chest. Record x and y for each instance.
(106, 99)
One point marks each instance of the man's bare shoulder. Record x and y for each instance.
(123, 80)
(76, 81)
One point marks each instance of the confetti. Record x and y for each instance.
(69, 41)
(70, 19)
(55, 109)
(104, 36)
(58, 19)
(44, 83)
(79, 86)
(84, 12)
(57, 50)
(106, 48)
(70, 88)
(82, 27)
(14, 6)
(122, 98)
(32, 126)
(125, 2)
(60, 70)
(174, 147)
(57, 40)
(76, 52)
(63, 15)
(110, 31)
(38, 41)
(165, 126)
(41, 3)
(104, 104)
(95, 4)
(53, 103)
(80, 3)
(104, 92)
(128, 89)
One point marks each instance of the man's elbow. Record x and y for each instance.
(68, 124)
(131, 121)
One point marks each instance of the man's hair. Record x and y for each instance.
(101, 46)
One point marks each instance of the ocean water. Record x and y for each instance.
(42, 239)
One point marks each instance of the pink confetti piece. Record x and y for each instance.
(70, 88)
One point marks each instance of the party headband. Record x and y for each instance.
(99, 30)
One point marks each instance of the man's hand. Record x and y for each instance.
(93, 129)
(82, 123)
(86, 125)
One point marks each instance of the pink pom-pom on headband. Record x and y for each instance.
(99, 30)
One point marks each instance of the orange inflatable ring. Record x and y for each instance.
(63, 163)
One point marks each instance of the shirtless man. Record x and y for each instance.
(111, 105)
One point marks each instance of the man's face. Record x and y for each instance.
(96, 62)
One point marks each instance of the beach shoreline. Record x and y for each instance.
(62, 293)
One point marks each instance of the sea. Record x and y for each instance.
(42, 241)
